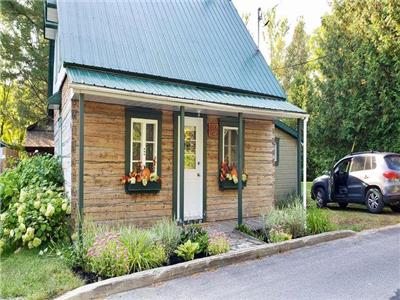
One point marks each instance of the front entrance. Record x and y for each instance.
(193, 164)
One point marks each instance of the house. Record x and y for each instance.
(172, 95)
(7, 152)
(287, 160)
(39, 138)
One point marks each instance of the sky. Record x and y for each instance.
(311, 10)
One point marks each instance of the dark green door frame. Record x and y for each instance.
(181, 164)
(299, 126)
(81, 163)
(240, 168)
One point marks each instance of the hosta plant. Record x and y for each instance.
(187, 250)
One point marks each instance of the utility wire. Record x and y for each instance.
(300, 64)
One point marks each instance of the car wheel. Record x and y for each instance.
(395, 208)
(342, 204)
(320, 197)
(374, 200)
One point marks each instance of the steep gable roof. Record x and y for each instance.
(195, 41)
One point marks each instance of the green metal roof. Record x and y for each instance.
(195, 41)
(169, 89)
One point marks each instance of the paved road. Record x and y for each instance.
(366, 266)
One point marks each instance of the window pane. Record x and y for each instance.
(150, 165)
(135, 166)
(230, 141)
(150, 134)
(149, 151)
(135, 151)
(357, 164)
(233, 137)
(136, 131)
(190, 161)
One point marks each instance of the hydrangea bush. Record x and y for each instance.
(39, 215)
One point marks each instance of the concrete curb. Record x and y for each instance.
(102, 289)
(388, 227)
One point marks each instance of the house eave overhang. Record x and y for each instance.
(175, 103)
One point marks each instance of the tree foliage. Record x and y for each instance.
(24, 60)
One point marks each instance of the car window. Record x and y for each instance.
(370, 163)
(393, 162)
(357, 163)
(343, 167)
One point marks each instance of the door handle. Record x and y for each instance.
(366, 177)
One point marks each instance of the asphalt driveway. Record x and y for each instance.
(366, 266)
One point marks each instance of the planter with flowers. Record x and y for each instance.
(143, 179)
(229, 178)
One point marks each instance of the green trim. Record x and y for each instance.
(299, 157)
(181, 164)
(54, 101)
(205, 120)
(142, 113)
(175, 159)
(50, 71)
(81, 162)
(277, 147)
(173, 80)
(240, 168)
(286, 128)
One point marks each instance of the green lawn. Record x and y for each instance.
(26, 274)
(356, 217)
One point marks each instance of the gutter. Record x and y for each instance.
(195, 104)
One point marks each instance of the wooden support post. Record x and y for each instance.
(81, 163)
(240, 168)
(299, 157)
(181, 163)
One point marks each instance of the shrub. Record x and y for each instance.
(39, 215)
(291, 219)
(168, 233)
(197, 234)
(318, 220)
(187, 250)
(276, 235)
(218, 243)
(37, 170)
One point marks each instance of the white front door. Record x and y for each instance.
(193, 162)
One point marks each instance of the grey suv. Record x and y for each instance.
(371, 178)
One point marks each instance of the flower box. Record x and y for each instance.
(151, 187)
(230, 185)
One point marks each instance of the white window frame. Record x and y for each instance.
(229, 142)
(143, 142)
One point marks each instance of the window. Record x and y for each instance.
(143, 144)
(190, 147)
(362, 163)
(343, 167)
(276, 158)
(229, 147)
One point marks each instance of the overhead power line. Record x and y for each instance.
(300, 64)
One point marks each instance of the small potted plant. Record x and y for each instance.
(229, 177)
(142, 179)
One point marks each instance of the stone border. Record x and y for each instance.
(102, 289)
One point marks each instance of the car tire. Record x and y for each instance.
(395, 208)
(320, 197)
(343, 204)
(374, 201)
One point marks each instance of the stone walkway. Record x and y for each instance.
(237, 239)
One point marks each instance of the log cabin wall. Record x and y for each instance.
(105, 200)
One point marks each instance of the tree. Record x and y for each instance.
(357, 104)
(274, 34)
(23, 62)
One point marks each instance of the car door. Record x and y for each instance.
(355, 182)
(339, 180)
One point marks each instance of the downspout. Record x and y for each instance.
(305, 162)
(299, 157)
(50, 73)
(81, 163)
(181, 164)
(240, 169)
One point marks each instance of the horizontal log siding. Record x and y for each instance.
(105, 200)
(286, 171)
(258, 196)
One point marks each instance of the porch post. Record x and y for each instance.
(181, 163)
(240, 168)
(81, 163)
(299, 157)
(305, 162)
